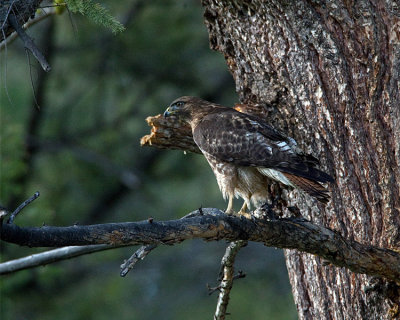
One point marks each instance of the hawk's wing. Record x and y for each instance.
(245, 140)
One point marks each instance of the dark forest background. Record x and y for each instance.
(76, 140)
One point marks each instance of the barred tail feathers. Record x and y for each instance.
(313, 188)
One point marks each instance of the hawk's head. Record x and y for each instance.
(189, 109)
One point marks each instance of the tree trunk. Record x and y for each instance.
(328, 73)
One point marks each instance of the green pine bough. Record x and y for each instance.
(95, 12)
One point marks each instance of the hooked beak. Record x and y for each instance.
(170, 111)
(167, 113)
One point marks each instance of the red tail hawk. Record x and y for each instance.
(244, 151)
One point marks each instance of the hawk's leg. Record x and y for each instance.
(243, 211)
(229, 209)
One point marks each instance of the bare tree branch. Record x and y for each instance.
(24, 9)
(27, 25)
(22, 206)
(212, 224)
(227, 271)
(43, 258)
(140, 254)
(28, 43)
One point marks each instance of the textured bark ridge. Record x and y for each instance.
(328, 73)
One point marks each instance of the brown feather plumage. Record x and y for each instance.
(244, 151)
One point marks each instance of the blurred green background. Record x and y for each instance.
(76, 140)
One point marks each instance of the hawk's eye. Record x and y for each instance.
(179, 104)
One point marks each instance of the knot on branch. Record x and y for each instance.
(167, 134)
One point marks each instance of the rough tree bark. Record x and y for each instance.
(327, 72)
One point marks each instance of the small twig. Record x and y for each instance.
(239, 275)
(32, 83)
(211, 290)
(28, 43)
(143, 251)
(54, 5)
(227, 275)
(138, 255)
(22, 206)
(7, 14)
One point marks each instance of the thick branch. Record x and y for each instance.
(213, 224)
